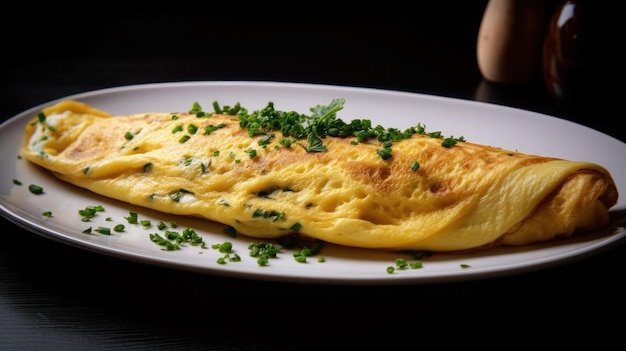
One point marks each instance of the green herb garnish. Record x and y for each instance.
(264, 252)
(132, 218)
(90, 212)
(103, 230)
(415, 166)
(35, 189)
(176, 195)
(178, 128)
(402, 264)
(322, 123)
(167, 244)
(192, 128)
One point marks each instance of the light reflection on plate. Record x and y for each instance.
(483, 123)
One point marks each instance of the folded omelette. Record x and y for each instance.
(269, 174)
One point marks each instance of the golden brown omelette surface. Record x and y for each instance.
(424, 197)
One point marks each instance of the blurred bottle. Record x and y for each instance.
(563, 51)
(510, 40)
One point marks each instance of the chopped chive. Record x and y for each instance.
(178, 128)
(167, 245)
(89, 212)
(176, 195)
(132, 218)
(103, 230)
(35, 189)
(192, 128)
(415, 264)
(415, 166)
(296, 227)
(251, 152)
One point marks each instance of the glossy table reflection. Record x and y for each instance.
(57, 297)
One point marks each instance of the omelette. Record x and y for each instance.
(270, 174)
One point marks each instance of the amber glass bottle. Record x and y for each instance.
(562, 59)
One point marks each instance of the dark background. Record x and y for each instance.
(424, 47)
(53, 296)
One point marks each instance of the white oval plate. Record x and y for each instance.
(483, 123)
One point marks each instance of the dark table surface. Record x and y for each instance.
(58, 297)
